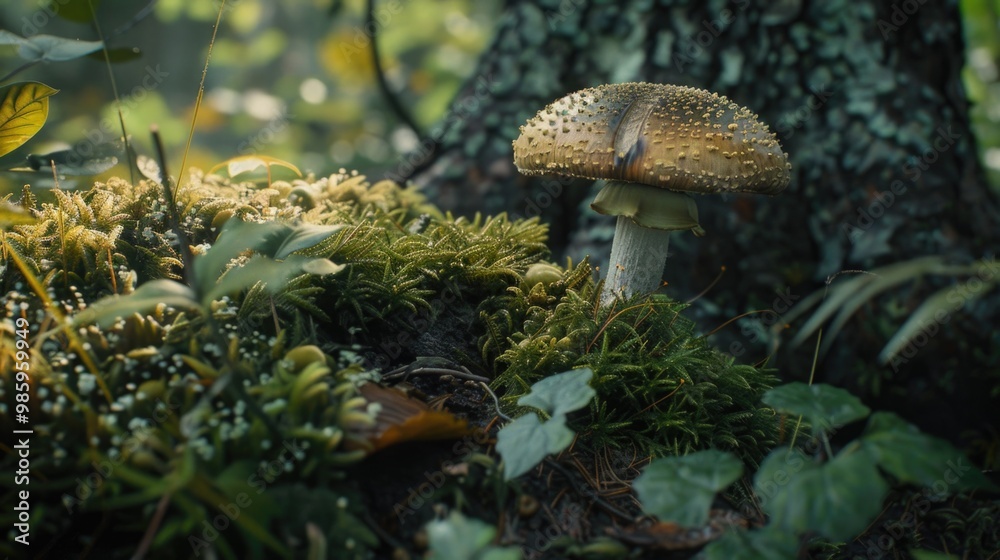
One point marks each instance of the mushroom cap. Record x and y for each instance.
(675, 137)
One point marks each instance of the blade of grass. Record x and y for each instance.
(200, 96)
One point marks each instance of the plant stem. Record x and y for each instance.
(638, 255)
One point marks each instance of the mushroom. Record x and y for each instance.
(650, 141)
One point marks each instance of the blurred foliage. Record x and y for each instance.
(293, 80)
(981, 19)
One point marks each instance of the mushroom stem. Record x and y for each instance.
(637, 258)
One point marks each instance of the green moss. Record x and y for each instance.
(193, 405)
(660, 388)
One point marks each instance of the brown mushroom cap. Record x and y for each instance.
(675, 137)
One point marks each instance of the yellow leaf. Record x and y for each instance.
(23, 109)
(242, 164)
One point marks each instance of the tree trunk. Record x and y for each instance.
(867, 100)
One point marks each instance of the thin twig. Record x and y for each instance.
(395, 374)
(496, 401)
(383, 84)
(154, 526)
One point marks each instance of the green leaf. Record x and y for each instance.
(273, 274)
(70, 162)
(681, 489)
(561, 393)
(235, 238)
(527, 440)
(304, 237)
(459, 538)
(106, 311)
(243, 164)
(764, 544)
(24, 107)
(825, 407)
(914, 457)
(47, 48)
(837, 499)
(929, 317)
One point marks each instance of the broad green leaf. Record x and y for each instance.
(825, 407)
(527, 440)
(764, 544)
(459, 538)
(48, 48)
(561, 393)
(305, 236)
(837, 499)
(106, 311)
(243, 164)
(13, 215)
(273, 274)
(914, 457)
(70, 162)
(235, 238)
(681, 489)
(24, 107)
(928, 318)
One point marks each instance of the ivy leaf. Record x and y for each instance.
(681, 489)
(48, 48)
(24, 107)
(527, 440)
(459, 538)
(561, 393)
(837, 499)
(825, 407)
(106, 311)
(914, 457)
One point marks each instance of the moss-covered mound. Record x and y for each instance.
(229, 426)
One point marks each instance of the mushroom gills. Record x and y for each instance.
(649, 206)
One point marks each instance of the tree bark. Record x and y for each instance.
(867, 99)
